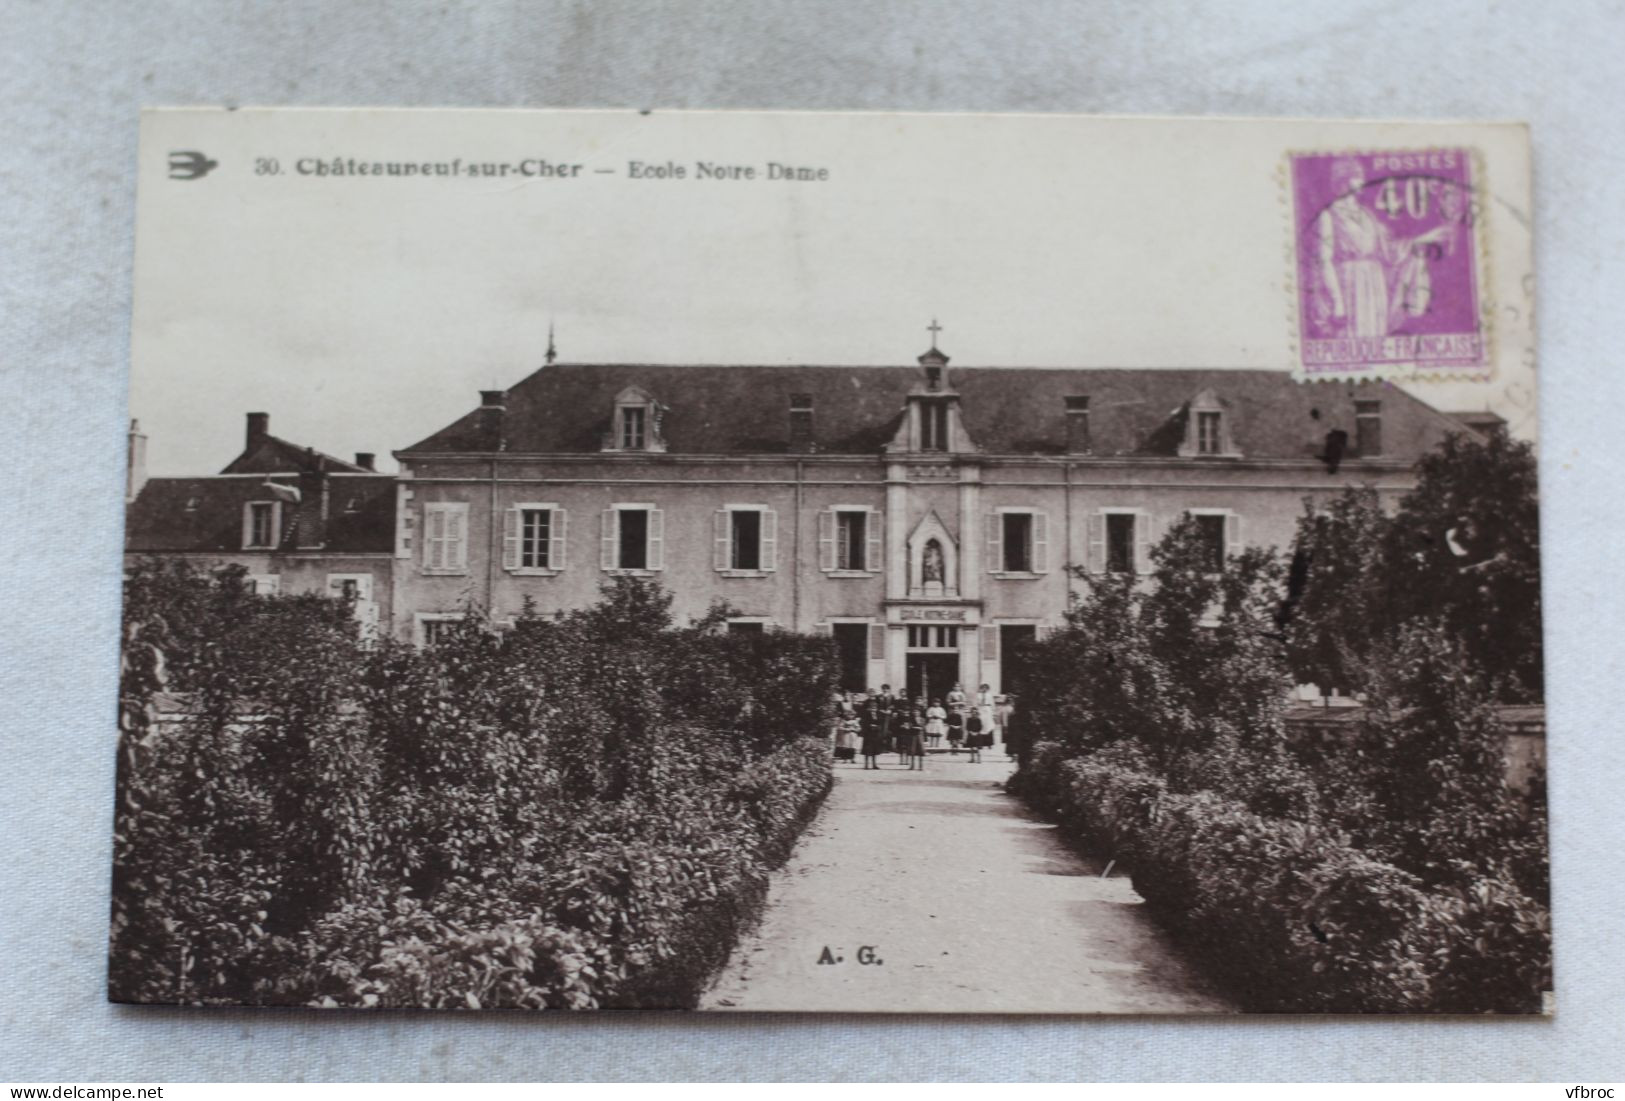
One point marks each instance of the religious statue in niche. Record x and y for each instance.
(931, 563)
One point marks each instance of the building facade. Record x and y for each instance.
(297, 520)
(928, 520)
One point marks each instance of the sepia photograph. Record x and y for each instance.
(849, 563)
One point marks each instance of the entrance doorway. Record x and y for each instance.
(932, 675)
(852, 643)
(1013, 642)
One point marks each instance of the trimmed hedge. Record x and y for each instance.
(1289, 915)
(580, 812)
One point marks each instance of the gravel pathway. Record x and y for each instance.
(965, 903)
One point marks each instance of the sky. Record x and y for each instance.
(365, 312)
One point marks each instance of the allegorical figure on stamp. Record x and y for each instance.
(1371, 279)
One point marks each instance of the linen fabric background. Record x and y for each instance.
(74, 77)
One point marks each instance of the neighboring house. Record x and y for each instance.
(927, 521)
(298, 520)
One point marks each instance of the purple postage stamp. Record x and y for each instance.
(1386, 262)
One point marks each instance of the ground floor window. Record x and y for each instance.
(433, 628)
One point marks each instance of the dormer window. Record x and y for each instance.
(633, 418)
(635, 425)
(262, 525)
(1208, 429)
(1207, 434)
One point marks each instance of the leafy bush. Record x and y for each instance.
(1290, 915)
(579, 812)
(1392, 870)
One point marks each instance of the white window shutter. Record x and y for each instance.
(457, 536)
(875, 520)
(826, 540)
(434, 528)
(1232, 534)
(1040, 561)
(877, 641)
(248, 524)
(995, 541)
(1142, 542)
(610, 536)
(990, 642)
(657, 539)
(1097, 542)
(556, 539)
(770, 539)
(510, 539)
(722, 536)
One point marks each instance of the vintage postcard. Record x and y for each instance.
(832, 562)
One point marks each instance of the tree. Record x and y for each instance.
(1465, 548)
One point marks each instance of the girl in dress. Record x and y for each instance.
(974, 737)
(936, 723)
(956, 731)
(846, 741)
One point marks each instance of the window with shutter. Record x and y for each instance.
(995, 542)
(722, 540)
(769, 556)
(535, 538)
(445, 543)
(826, 541)
(877, 642)
(854, 540)
(1120, 536)
(1142, 542)
(1210, 527)
(609, 539)
(990, 643)
(557, 539)
(1039, 559)
(745, 539)
(1096, 522)
(657, 540)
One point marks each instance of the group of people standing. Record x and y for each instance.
(887, 722)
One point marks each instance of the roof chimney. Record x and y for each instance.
(1077, 426)
(136, 474)
(493, 410)
(310, 514)
(259, 426)
(365, 459)
(801, 423)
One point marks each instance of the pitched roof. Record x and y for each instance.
(566, 408)
(206, 514)
(268, 454)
